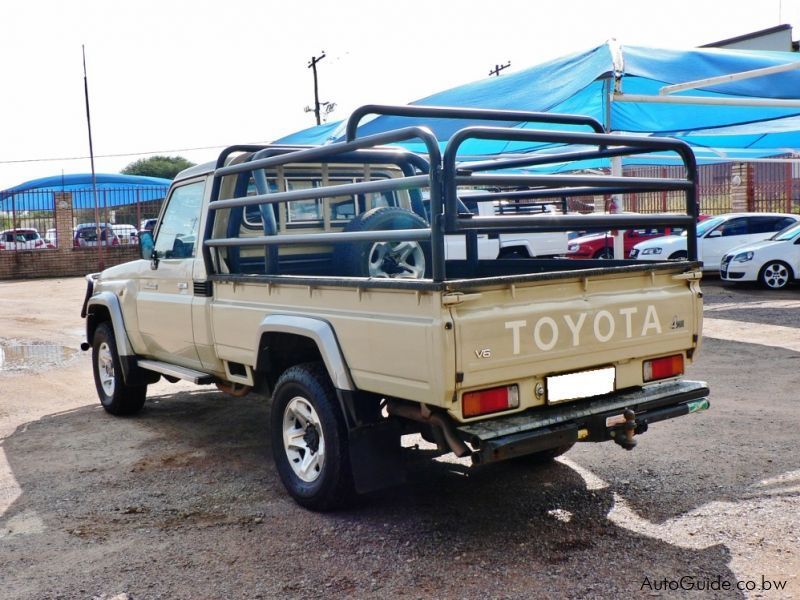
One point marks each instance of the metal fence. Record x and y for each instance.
(713, 189)
(775, 187)
(125, 209)
(17, 218)
(769, 187)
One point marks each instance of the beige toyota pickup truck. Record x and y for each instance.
(317, 276)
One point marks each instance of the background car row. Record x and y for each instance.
(763, 247)
(83, 235)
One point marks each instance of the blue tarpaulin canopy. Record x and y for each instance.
(607, 82)
(112, 190)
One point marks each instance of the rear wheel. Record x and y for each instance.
(115, 395)
(775, 275)
(514, 252)
(309, 439)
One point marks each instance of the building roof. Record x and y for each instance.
(84, 180)
(753, 35)
(113, 189)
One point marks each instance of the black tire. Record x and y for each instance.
(545, 456)
(679, 255)
(385, 259)
(775, 275)
(115, 395)
(514, 252)
(328, 484)
(605, 253)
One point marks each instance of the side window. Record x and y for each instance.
(735, 227)
(769, 224)
(303, 210)
(177, 234)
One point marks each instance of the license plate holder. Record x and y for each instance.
(580, 384)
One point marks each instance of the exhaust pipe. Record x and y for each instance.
(423, 414)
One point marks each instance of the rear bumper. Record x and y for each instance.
(596, 419)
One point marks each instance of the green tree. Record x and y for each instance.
(158, 166)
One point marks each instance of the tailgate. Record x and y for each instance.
(523, 333)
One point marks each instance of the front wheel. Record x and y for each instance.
(115, 395)
(309, 439)
(679, 255)
(775, 275)
(605, 253)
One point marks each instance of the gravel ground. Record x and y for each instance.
(183, 501)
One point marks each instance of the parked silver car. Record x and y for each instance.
(85, 235)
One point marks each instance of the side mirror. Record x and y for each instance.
(146, 245)
(715, 233)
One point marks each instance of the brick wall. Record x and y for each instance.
(64, 261)
(30, 264)
(742, 188)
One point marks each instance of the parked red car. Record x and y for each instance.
(601, 245)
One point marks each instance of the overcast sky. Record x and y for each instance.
(166, 76)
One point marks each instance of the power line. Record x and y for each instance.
(33, 160)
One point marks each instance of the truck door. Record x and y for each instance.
(164, 298)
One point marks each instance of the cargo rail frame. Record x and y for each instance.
(442, 174)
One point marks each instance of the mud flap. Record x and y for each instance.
(375, 457)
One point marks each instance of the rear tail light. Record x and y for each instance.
(662, 368)
(484, 402)
(115, 241)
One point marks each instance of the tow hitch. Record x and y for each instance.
(624, 437)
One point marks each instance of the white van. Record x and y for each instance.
(127, 234)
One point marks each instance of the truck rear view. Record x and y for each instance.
(320, 276)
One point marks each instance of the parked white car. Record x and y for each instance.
(505, 245)
(127, 234)
(522, 245)
(773, 262)
(21, 239)
(715, 237)
(455, 246)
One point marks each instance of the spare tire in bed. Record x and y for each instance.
(383, 259)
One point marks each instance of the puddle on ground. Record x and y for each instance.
(33, 357)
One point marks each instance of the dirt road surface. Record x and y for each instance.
(182, 501)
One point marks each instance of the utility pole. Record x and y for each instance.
(98, 230)
(498, 68)
(313, 66)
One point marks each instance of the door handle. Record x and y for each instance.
(182, 285)
(150, 285)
